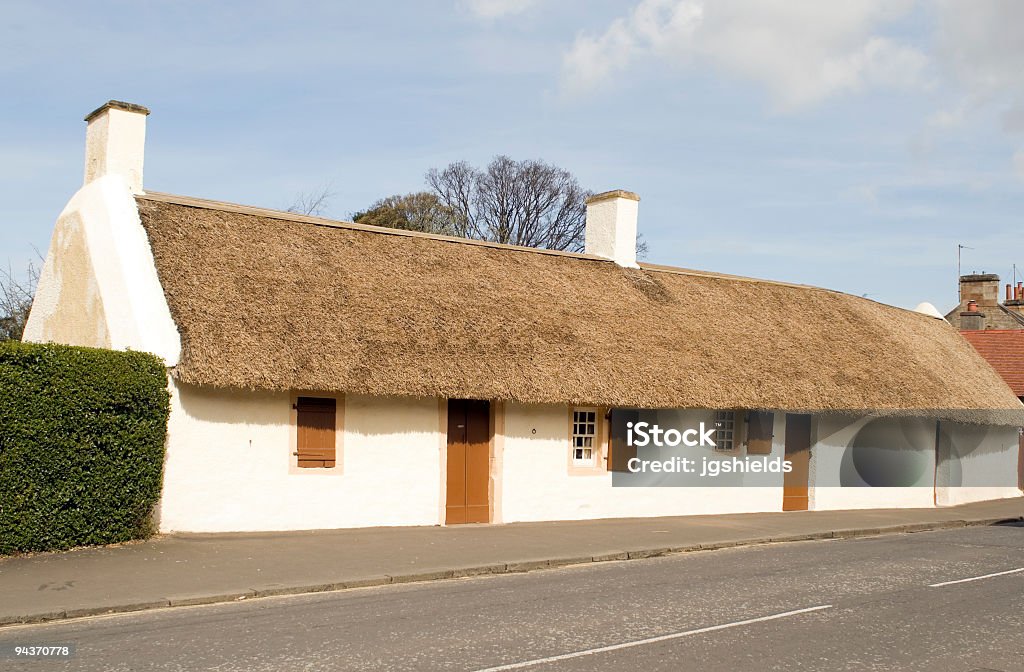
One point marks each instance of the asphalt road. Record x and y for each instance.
(857, 604)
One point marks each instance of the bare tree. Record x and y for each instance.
(16, 294)
(421, 211)
(455, 187)
(529, 203)
(641, 247)
(312, 202)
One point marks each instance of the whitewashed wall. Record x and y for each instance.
(229, 455)
(977, 463)
(538, 484)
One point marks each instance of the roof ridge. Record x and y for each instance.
(226, 206)
(679, 270)
(193, 202)
(675, 270)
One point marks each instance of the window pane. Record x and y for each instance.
(725, 430)
(584, 433)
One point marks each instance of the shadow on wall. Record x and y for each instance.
(960, 445)
(233, 407)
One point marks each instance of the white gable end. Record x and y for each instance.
(99, 286)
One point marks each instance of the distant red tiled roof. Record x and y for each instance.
(1004, 350)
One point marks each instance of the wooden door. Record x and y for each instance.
(798, 452)
(1020, 458)
(316, 432)
(469, 462)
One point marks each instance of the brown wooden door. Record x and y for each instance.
(469, 462)
(798, 452)
(316, 432)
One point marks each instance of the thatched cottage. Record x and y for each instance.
(326, 374)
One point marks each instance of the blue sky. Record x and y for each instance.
(847, 145)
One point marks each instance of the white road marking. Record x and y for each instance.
(651, 640)
(977, 578)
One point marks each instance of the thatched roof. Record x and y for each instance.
(269, 300)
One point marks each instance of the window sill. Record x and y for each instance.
(296, 470)
(586, 470)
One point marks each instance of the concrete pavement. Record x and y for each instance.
(931, 602)
(196, 569)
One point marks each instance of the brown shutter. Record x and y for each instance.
(621, 452)
(760, 430)
(316, 429)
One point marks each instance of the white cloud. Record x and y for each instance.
(864, 193)
(496, 9)
(651, 25)
(800, 51)
(980, 49)
(981, 46)
(1013, 119)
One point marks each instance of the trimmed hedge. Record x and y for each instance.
(81, 445)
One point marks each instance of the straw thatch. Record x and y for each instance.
(269, 300)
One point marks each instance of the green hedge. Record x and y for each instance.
(81, 445)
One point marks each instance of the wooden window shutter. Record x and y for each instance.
(621, 451)
(316, 429)
(760, 430)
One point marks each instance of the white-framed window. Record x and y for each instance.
(584, 437)
(725, 430)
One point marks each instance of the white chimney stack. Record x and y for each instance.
(611, 226)
(115, 140)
